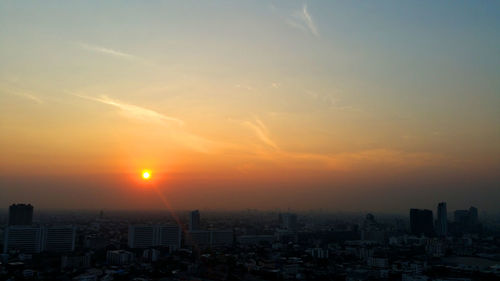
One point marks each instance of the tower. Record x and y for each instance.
(442, 220)
(20, 214)
(194, 220)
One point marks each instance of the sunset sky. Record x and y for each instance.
(350, 105)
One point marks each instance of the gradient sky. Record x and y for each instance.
(350, 105)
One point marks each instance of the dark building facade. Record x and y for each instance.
(20, 214)
(421, 222)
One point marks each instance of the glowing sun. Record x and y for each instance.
(146, 174)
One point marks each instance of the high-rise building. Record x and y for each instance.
(147, 236)
(289, 221)
(26, 239)
(59, 239)
(473, 216)
(467, 220)
(194, 220)
(169, 236)
(141, 236)
(442, 220)
(421, 222)
(20, 214)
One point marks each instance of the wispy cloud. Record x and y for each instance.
(261, 132)
(30, 97)
(303, 20)
(134, 110)
(109, 51)
(13, 89)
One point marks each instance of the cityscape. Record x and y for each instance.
(243, 140)
(250, 245)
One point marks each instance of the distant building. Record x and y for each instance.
(442, 220)
(119, 257)
(289, 221)
(141, 236)
(147, 236)
(473, 216)
(25, 239)
(194, 220)
(36, 239)
(466, 220)
(20, 214)
(59, 239)
(421, 222)
(168, 236)
(371, 230)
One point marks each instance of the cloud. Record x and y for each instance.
(30, 97)
(110, 52)
(134, 110)
(302, 20)
(13, 89)
(262, 132)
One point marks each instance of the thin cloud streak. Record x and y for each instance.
(108, 51)
(30, 97)
(134, 110)
(261, 132)
(303, 20)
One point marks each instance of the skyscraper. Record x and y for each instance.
(20, 214)
(290, 221)
(473, 216)
(194, 220)
(421, 222)
(442, 220)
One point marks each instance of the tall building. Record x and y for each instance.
(421, 222)
(442, 220)
(25, 239)
(59, 239)
(289, 221)
(467, 220)
(141, 236)
(169, 236)
(147, 236)
(20, 214)
(473, 216)
(194, 220)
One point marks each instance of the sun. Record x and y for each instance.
(146, 174)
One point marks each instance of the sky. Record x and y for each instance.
(333, 105)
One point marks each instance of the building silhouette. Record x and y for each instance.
(20, 214)
(421, 222)
(442, 220)
(147, 236)
(36, 239)
(194, 220)
(25, 239)
(466, 220)
(59, 239)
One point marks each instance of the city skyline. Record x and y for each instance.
(182, 105)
